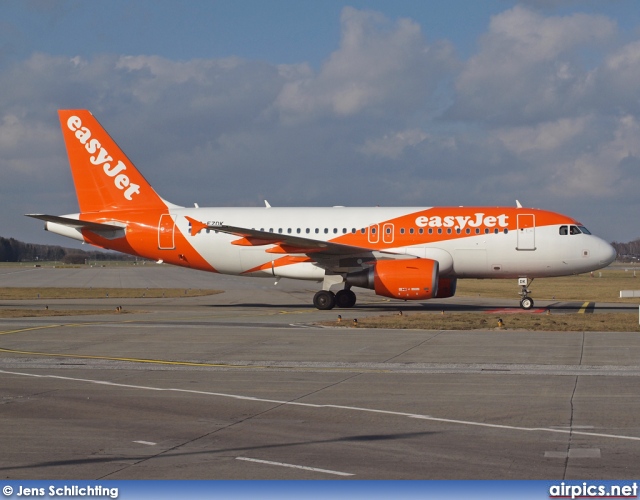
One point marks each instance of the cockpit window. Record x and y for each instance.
(575, 230)
(564, 230)
(584, 230)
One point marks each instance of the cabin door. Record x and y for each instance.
(526, 232)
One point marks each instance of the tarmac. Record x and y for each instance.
(247, 384)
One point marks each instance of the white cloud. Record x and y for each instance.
(528, 67)
(582, 158)
(548, 136)
(19, 134)
(379, 66)
(597, 173)
(615, 82)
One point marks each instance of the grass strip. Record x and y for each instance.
(42, 313)
(600, 322)
(19, 293)
(600, 286)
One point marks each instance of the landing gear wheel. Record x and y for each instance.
(526, 303)
(324, 300)
(345, 299)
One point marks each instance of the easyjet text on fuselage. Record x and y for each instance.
(461, 221)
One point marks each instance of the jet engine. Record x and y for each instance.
(410, 279)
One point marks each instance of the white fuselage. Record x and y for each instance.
(543, 251)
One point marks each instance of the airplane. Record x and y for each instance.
(404, 253)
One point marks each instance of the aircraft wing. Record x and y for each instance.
(293, 244)
(328, 254)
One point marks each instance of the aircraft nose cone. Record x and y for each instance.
(607, 254)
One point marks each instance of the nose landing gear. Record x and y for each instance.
(526, 302)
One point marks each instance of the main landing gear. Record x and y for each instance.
(326, 299)
(526, 302)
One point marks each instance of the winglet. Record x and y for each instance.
(196, 225)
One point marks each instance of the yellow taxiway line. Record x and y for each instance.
(584, 308)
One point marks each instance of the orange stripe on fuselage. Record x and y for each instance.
(471, 221)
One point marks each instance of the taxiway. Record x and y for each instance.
(246, 385)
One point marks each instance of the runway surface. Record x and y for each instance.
(245, 385)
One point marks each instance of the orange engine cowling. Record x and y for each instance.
(446, 288)
(412, 279)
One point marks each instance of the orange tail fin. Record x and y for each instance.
(105, 179)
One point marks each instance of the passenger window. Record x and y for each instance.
(402, 230)
(449, 231)
(326, 230)
(280, 230)
(468, 231)
(298, 230)
(289, 231)
(317, 230)
(411, 231)
(477, 230)
(344, 230)
(439, 230)
(564, 230)
(486, 230)
(335, 230)
(353, 230)
(458, 230)
(430, 230)
(506, 230)
(363, 230)
(373, 230)
(307, 230)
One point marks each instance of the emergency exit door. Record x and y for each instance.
(166, 229)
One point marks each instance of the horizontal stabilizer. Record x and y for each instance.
(76, 223)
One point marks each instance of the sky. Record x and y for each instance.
(329, 102)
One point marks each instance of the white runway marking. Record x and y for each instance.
(280, 464)
(338, 407)
(574, 453)
(148, 443)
